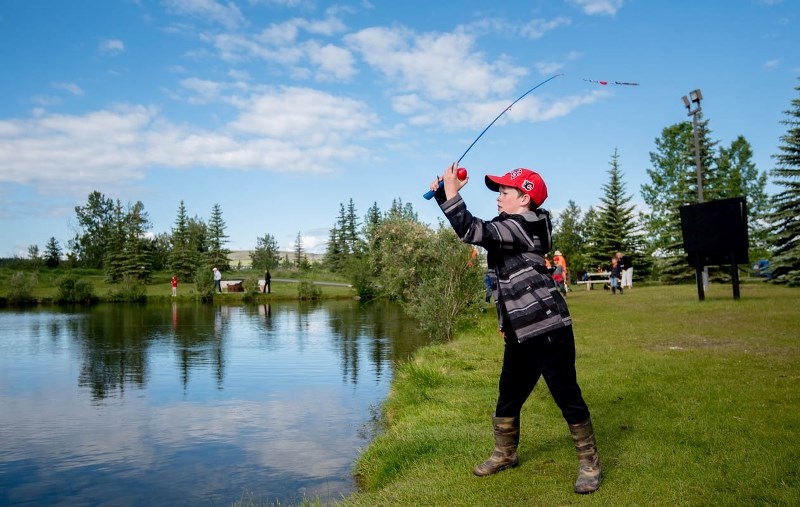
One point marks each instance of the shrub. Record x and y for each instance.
(73, 290)
(204, 282)
(251, 288)
(307, 291)
(130, 289)
(20, 288)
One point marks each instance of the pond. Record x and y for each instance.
(192, 404)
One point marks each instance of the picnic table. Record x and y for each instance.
(593, 278)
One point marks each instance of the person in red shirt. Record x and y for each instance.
(174, 286)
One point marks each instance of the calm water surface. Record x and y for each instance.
(191, 404)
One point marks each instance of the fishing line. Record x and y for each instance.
(429, 194)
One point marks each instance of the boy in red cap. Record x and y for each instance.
(533, 316)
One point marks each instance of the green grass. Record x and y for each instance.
(693, 403)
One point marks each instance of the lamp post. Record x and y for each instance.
(694, 98)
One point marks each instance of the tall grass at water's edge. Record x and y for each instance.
(693, 403)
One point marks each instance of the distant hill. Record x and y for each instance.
(243, 256)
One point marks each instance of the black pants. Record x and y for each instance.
(551, 356)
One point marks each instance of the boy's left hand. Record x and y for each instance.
(451, 182)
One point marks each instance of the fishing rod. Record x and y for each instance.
(430, 193)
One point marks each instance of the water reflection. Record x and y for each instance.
(190, 404)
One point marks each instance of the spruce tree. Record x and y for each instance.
(569, 236)
(52, 253)
(743, 179)
(350, 231)
(673, 184)
(615, 227)
(784, 220)
(371, 221)
(137, 262)
(113, 265)
(181, 259)
(299, 252)
(217, 253)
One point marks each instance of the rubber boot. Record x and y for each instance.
(506, 440)
(589, 469)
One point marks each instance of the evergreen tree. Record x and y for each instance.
(334, 256)
(52, 253)
(673, 184)
(181, 259)
(371, 221)
(350, 230)
(742, 179)
(299, 252)
(217, 253)
(137, 256)
(615, 226)
(265, 256)
(160, 248)
(127, 250)
(784, 220)
(198, 241)
(115, 247)
(569, 236)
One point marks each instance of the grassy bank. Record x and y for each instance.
(159, 287)
(694, 403)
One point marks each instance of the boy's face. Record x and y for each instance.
(512, 201)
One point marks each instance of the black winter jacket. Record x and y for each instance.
(526, 296)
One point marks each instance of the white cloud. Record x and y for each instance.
(437, 66)
(547, 68)
(537, 28)
(279, 43)
(772, 64)
(111, 47)
(607, 7)
(273, 131)
(331, 62)
(228, 15)
(70, 87)
(205, 91)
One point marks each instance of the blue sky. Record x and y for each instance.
(281, 110)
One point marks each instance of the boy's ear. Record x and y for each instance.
(526, 200)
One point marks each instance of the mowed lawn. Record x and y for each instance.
(693, 403)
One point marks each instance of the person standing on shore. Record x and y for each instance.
(217, 280)
(267, 281)
(533, 317)
(174, 285)
(626, 270)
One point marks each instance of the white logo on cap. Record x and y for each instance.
(515, 173)
(527, 185)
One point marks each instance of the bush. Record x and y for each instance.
(73, 290)
(251, 288)
(20, 288)
(307, 291)
(449, 287)
(204, 282)
(431, 273)
(130, 289)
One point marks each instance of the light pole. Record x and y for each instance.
(694, 98)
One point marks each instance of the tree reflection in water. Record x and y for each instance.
(192, 403)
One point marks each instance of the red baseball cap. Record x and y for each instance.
(527, 181)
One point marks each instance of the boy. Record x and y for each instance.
(533, 316)
(614, 276)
